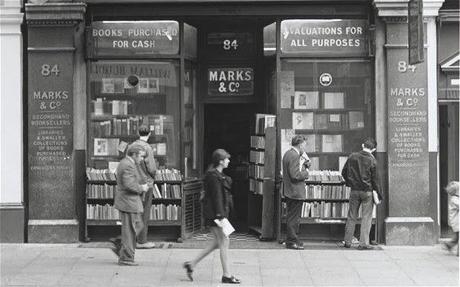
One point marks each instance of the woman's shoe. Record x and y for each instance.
(189, 270)
(230, 280)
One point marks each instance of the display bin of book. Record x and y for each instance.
(327, 201)
(167, 200)
(261, 177)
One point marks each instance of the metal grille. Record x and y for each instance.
(192, 191)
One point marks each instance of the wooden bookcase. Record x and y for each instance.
(261, 212)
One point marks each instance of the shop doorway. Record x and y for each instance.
(448, 155)
(227, 126)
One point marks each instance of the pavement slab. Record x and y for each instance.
(70, 265)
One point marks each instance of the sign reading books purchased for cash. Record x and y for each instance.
(333, 37)
(230, 82)
(133, 39)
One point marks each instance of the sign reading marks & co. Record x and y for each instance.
(230, 82)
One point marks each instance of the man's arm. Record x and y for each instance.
(150, 164)
(345, 171)
(294, 171)
(218, 197)
(375, 179)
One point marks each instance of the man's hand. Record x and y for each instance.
(145, 187)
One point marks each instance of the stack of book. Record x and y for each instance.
(256, 171)
(256, 156)
(100, 190)
(327, 191)
(168, 175)
(102, 212)
(325, 176)
(258, 142)
(167, 191)
(165, 212)
(256, 186)
(99, 174)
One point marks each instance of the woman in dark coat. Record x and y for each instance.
(216, 205)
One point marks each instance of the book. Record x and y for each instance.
(98, 107)
(108, 86)
(226, 226)
(355, 120)
(332, 143)
(302, 121)
(321, 121)
(334, 100)
(306, 100)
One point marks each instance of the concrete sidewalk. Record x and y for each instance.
(71, 265)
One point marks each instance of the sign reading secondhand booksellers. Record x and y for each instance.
(230, 82)
(332, 37)
(133, 39)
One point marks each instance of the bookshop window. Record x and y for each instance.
(190, 121)
(330, 103)
(125, 95)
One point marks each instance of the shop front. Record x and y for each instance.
(245, 77)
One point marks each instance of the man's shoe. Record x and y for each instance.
(365, 247)
(146, 245)
(127, 263)
(294, 246)
(230, 280)
(188, 269)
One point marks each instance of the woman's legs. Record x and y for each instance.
(210, 248)
(223, 243)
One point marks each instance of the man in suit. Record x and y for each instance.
(295, 172)
(360, 174)
(147, 169)
(129, 203)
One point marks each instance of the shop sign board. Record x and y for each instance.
(408, 156)
(415, 10)
(50, 131)
(334, 37)
(230, 82)
(141, 39)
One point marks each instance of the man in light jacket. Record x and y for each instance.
(128, 202)
(295, 172)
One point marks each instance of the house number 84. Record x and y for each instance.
(403, 67)
(48, 70)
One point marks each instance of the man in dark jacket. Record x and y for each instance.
(295, 172)
(360, 174)
(129, 203)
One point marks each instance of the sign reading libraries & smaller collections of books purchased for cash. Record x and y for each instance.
(133, 39)
(325, 37)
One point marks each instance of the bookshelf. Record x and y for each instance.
(167, 201)
(262, 176)
(123, 95)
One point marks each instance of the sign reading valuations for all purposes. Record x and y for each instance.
(140, 38)
(230, 82)
(325, 37)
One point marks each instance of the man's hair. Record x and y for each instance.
(370, 143)
(218, 155)
(143, 130)
(297, 139)
(134, 149)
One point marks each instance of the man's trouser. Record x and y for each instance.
(357, 198)
(131, 224)
(294, 209)
(142, 238)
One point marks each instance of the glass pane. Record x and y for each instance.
(190, 123)
(125, 95)
(329, 102)
(190, 41)
(270, 39)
